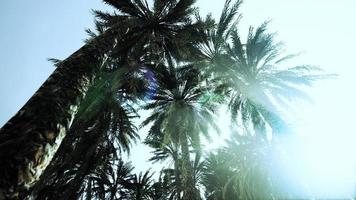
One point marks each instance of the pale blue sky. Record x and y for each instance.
(323, 30)
(30, 32)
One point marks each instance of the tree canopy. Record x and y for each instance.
(182, 67)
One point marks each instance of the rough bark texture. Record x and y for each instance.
(29, 140)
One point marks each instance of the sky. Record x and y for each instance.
(323, 31)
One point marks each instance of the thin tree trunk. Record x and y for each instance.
(189, 190)
(177, 175)
(29, 140)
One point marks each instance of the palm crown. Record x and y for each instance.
(166, 29)
(257, 81)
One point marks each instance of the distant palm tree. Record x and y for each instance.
(118, 181)
(181, 115)
(242, 170)
(251, 163)
(140, 187)
(163, 151)
(108, 182)
(40, 126)
(216, 174)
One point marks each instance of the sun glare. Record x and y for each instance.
(320, 153)
(326, 145)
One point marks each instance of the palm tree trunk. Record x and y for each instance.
(29, 140)
(189, 190)
(62, 160)
(177, 174)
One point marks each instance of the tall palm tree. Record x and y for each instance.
(180, 115)
(251, 74)
(104, 124)
(40, 126)
(257, 81)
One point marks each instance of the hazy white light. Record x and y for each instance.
(321, 153)
(327, 145)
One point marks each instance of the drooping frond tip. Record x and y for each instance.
(56, 62)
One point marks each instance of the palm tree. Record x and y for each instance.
(180, 115)
(173, 176)
(162, 152)
(251, 74)
(40, 126)
(103, 124)
(161, 188)
(213, 46)
(253, 161)
(257, 81)
(110, 181)
(107, 182)
(140, 187)
(167, 29)
(242, 170)
(216, 174)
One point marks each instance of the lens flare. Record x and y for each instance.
(151, 80)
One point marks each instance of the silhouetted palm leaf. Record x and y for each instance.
(213, 46)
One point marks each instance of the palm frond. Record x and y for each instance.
(126, 7)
